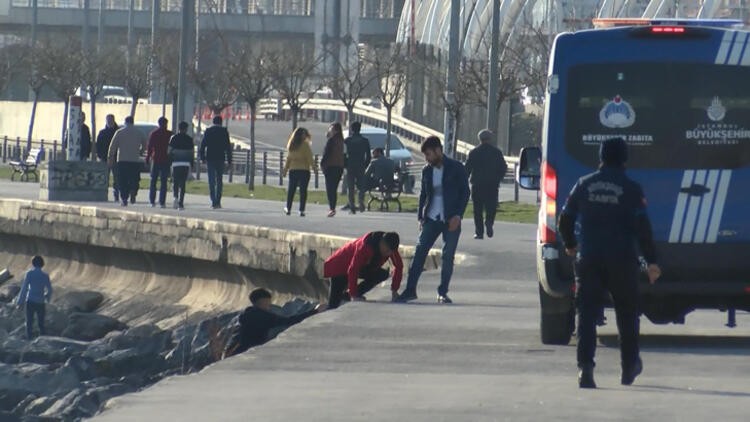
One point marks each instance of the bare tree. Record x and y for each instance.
(11, 60)
(354, 76)
(253, 80)
(60, 66)
(391, 65)
(98, 68)
(36, 83)
(216, 87)
(137, 80)
(295, 79)
(167, 59)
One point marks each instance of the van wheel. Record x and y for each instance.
(557, 319)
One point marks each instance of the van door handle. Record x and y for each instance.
(695, 190)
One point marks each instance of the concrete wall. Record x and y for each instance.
(259, 248)
(15, 115)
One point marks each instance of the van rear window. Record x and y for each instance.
(672, 115)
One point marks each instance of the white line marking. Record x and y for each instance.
(721, 199)
(737, 49)
(692, 213)
(726, 42)
(679, 212)
(708, 201)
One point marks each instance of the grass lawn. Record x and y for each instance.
(509, 211)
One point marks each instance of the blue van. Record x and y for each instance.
(678, 91)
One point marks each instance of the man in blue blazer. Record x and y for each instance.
(442, 203)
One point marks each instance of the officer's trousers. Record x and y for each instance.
(594, 277)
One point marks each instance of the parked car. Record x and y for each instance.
(399, 153)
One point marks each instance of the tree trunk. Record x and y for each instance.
(31, 121)
(93, 128)
(350, 114)
(389, 113)
(253, 110)
(65, 124)
(295, 116)
(174, 111)
(133, 106)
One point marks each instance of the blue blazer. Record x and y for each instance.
(455, 189)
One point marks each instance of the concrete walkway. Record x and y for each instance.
(477, 360)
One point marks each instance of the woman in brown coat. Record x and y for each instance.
(333, 164)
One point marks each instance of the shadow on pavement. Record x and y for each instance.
(696, 344)
(664, 389)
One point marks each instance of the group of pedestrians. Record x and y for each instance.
(122, 147)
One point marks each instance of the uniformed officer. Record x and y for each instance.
(611, 210)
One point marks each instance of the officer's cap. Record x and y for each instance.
(613, 152)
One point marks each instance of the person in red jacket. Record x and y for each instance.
(363, 258)
(158, 144)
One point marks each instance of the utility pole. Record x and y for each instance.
(493, 83)
(131, 30)
(154, 65)
(451, 79)
(186, 48)
(100, 28)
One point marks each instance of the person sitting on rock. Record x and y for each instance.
(256, 321)
(35, 290)
(363, 258)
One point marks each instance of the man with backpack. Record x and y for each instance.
(486, 168)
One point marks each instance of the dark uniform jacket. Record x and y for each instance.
(103, 140)
(216, 147)
(611, 209)
(486, 166)
(381, 170)
(358, 154)
(455, 189)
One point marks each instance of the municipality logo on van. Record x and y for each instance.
(716, 111)
(617, 114)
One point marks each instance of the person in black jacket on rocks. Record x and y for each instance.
(216, 149)
(181, 153)
(486, 168)
(358, 157)
(256, 321)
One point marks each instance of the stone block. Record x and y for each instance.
(74, 181)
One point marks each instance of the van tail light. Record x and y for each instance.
(549, 204)
(667, 30)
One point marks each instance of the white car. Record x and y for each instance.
(399, 153)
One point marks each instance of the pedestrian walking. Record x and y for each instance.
(125, 152)
(85, 151)
(103, 141)
(486, 168)
(363, 258)
(299, 163)
(158, 158)
(257, 321)
(36, 289)
(333, 164)
(216, 149)
(181, 153)
(442, 203)
(611, 211)
(357, 159)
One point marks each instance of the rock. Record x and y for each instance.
(9, 399)
(9, 292)
(75, 405)
(202, 344)
(83, 367)
(39, 406)
(49, 350)
(21, 406)
(83, 326)
(123, 362)
(148, 339)
(80, 301)
(32, 378)
(5, 275)
(103, 394)
(9, 417)
(12, 349)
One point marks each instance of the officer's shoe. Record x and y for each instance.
(630, 373)
(586, 376)
(444, 299)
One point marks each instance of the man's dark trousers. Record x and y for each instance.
(484, 197)
(594, 277)
(179, 179)
(431, 230)
(128, 176)
(161, 172)
(355, 180)
(339, 284)
(33, 308)
(215, 181)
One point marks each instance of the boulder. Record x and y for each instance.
(148, 339)
(123, 362)
(75, 405)
(202, 344)
(84, 326)
(83, 367)
(49, 350)
(32, 378)
(5, 275)
(21, 406)
(9, 399)
(38, 406)
(9, 291)
(9, 417)
(80, 301)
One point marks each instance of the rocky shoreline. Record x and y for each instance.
(87, 358)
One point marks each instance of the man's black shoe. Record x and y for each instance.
(478, 237)
(490, 232)
(345, 207)
(586, 377)
(629, 374)
(406, 296)
(444, 299)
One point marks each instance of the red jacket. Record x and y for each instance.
(158, 144)
(351, 258)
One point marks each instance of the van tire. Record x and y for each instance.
(557, 319)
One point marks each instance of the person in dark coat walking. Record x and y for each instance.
(216, 149)
(332, 164)
(363, 258)
(358, 157)
(85, 139)
(103, 140)
(614, 225)
(486, 168)
(256, 321)
(442, 204)
(181, 153)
